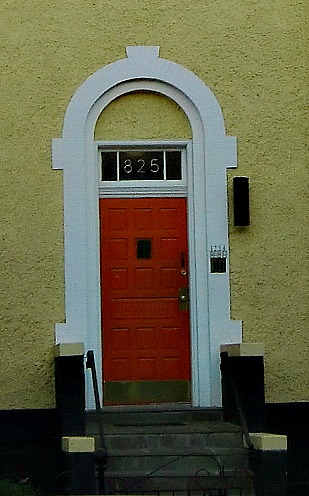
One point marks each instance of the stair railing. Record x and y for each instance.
(227, 371)
(100, 454)
(90, 364)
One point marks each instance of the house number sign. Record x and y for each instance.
(141, 165)
(218, 255)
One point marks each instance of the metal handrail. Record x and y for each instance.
(100, 454)
(90, 364)
(225, 368)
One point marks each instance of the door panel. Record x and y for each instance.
(145, 334)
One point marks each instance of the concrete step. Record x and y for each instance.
(171, 440)
(190, 428)
(213, 461)
(200, 483)
(152, 414)
(188, 436)
(156, 448)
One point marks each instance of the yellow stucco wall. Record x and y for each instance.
(252, 55)
(142, 116)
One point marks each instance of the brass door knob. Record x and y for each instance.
(183, 298)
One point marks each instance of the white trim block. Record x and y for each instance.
(243, 349)
(69, 349)
(264, 441)
(78, 444)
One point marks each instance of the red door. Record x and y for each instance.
(145, 327)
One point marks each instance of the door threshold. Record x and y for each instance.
(148, 407)
(155, 407)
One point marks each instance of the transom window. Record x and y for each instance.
(141, 165)
(142, 168)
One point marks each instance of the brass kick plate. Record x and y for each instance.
(136, 392)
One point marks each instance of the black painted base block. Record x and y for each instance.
(270, 472)
(79, 474)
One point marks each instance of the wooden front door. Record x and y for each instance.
(145, 318)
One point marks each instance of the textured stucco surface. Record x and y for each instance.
(252, 55)
(142, 116)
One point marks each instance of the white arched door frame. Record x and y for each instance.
(210, 154)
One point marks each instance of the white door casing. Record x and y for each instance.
(209, 155)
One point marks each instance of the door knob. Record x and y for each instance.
(183, 298)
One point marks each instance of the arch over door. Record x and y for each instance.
(212, 153)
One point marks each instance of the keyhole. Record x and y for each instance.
(182, 260)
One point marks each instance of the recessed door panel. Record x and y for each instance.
(145, 331)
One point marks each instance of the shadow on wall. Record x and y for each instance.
(30, 452)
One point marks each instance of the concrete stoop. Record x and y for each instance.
(159, 449)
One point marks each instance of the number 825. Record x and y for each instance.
(141, 165)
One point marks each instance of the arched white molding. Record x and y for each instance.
(212, 152)
(143, 63)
